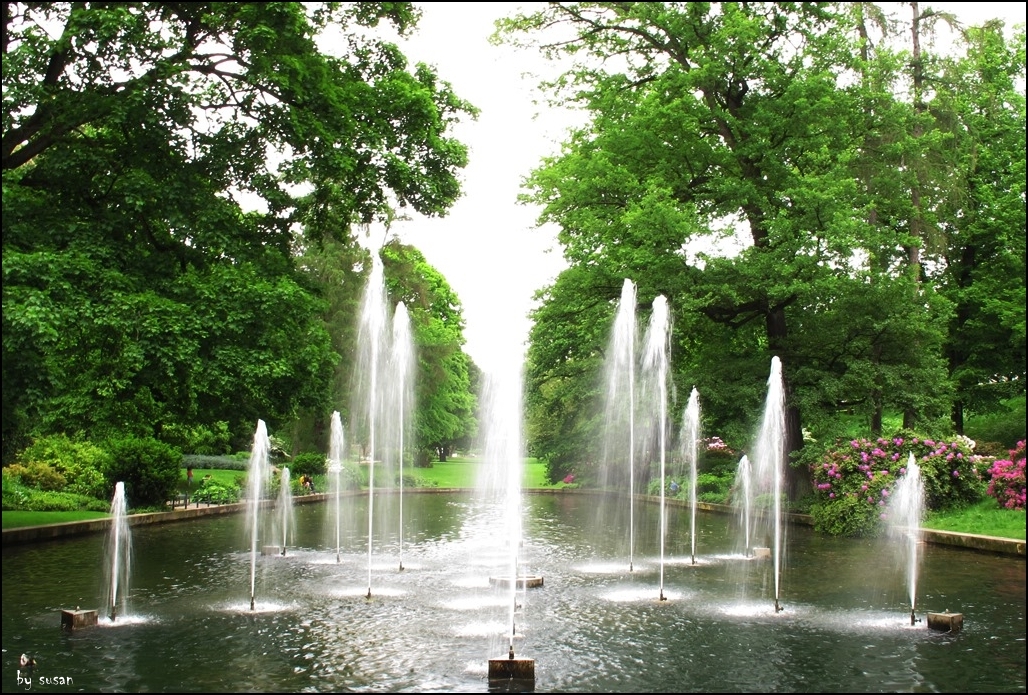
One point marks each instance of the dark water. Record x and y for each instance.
(592, 627)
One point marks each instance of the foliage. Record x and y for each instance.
(866, 229)
(56, 461)
(149, 468)
(234, 462)
(20, 496)
(212, 439)
(308, 463)
(1005, 424)
(217, 492)
(161, 165)
(853, 480)
(1007, 483)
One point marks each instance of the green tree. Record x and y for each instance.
(158, 160)
(445, 403)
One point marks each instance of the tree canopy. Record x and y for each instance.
(833, 173)
(161, 162)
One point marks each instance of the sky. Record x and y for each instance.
(488, 246)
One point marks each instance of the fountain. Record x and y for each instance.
(118, 557)
(770, 467)
(256, 482)
(743, 497)
(619, 430)
(435, 639)
(690, 440)
(335, 476)
(906, 507)
(285, 515)
(655, 377)
(381, 402)
(402, 369)
(501, 486)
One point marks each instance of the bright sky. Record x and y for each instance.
(487, 247)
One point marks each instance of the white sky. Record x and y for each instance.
(487, 246)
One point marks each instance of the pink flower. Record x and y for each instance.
(956, 474)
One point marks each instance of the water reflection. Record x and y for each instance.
(592, 627)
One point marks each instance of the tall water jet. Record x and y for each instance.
(619, 430)
(369, 401)
(117, 557)
(336, 449)
(285, 514)
(743, 497)
(770, 464)
(906, 508)
(655, 373)
(690, 441)
(504, 467)
(256, 482)
(402, 394)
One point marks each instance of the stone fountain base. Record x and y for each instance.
(946, 622)
(71, 620)
(524, 581)
(762, 552)
(507, 668)
(268, 550)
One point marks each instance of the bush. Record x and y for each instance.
(311, 463)
(853, 480)
(203, 440)
(19, 497)
(227, 463)
(57, 462)
(1008, 481)
(149, 468)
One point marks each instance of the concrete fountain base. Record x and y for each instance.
(269, 550)
(524, 581)
(946, 622)
(78, 618)
(509, 668)
(762, 552)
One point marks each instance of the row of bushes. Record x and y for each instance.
(854, 479)
(56, 473)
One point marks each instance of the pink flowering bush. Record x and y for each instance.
(1007, 483)
(853, 480)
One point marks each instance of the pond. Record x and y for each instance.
(593, 625)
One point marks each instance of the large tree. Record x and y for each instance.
(159, 160)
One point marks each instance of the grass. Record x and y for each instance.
(19, 519)
(986, 518)
(462, 472)
(222, 476)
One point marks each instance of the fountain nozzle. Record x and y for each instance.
(510, 652)
(114, 613)
(778, 607)
(913, 618)
(253, 605)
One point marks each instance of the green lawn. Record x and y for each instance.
(986, 518)
(19, 519)
(218, 475)
(462, 472)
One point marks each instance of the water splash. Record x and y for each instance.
(619, 432)
(743, 497)
(257, 478)
(402, 396)
(690, 440)
(286, 517)
(655, 374)
(770, 464)
(336, 451)
(500, 483)
(117, 557)
(906, 508)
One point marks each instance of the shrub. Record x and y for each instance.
(227, 463)
(311, 463)
(39, 475)
(149, 468)
(853, 480)
(74, 466)
(1008, 480)
(217, 492)
(205, 440)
